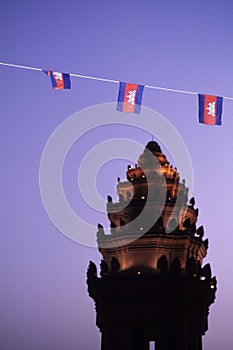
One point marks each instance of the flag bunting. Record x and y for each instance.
(130, 95)
(130, 98)
(210, 109)
(59, 80)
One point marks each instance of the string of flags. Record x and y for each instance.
(130, 95)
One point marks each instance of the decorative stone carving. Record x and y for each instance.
(115, 265)
(162, 263)
(103, 268)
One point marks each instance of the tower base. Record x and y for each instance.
(169, 309)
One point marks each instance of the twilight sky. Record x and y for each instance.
(184, 45)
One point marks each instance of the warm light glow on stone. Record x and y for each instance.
(141, 228)
(139, 273)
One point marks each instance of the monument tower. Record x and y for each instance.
(153, 286)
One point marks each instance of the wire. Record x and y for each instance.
(173, 90)
(94, 78)
(19, 66)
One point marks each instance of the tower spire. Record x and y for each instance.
(152, 286)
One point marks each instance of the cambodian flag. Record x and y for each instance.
(59, 80)
(130, 98)
(210, 109)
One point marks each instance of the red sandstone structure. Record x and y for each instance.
(153, 285)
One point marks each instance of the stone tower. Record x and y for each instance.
(152, 285)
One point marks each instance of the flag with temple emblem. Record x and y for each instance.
(59, 80)
(130, 98)
(210, 109)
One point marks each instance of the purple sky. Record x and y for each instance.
(178, 44)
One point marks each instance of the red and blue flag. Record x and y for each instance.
(130, 98)
(59, 80)
(210, 109)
